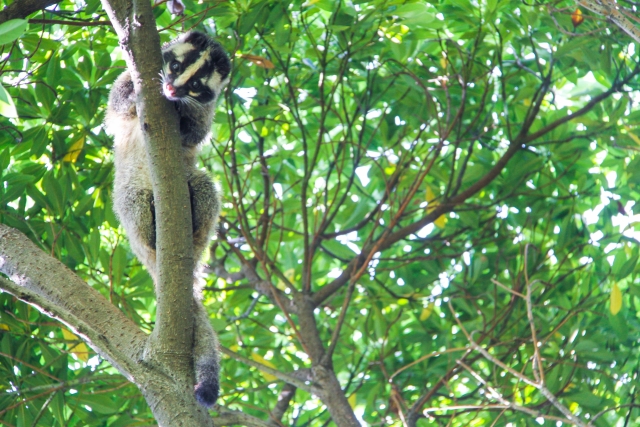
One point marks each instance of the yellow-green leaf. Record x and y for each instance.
(432, 203)
(615, 300)
(290, 275)
(74, 150)
(79, 349)
(426, 312)
(12, 29)
(352, 401)
(262, 360)
(441, 221)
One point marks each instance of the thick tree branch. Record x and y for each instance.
(135, 25)
(615, 14)
(286, 394)
(233, 418)
(46, 283)
(171, 344)
(322, 372)
(23, 8)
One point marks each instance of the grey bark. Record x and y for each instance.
(234, 418)
(170, 344)
(44, 282)
(160, 365)
(135, 25)
(284, 399)
(330, 391)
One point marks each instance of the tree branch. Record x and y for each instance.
(23, 8)
(171, 343)
(288, 378)
(517, 144)
(135, 25)
(609, 9)
(49, 285)
(71, 23)
(616, 87)
(284, 398)
(232, 418)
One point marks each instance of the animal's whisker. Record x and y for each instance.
(195, 103)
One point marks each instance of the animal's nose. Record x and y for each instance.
(171, 91)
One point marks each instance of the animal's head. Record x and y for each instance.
(196, 68)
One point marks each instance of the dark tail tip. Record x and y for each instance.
(207, 392)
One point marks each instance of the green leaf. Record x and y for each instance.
(414, 14)
(7, 107)
(12, 29)
(53, 192)
(100, 402)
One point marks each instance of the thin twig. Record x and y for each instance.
(71, 23)
(288, 378)
(540, 387)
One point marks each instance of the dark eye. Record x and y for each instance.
(194, 84)
(174, 66)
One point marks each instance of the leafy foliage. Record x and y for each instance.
(435, 178)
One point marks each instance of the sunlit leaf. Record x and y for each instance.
(352, 400)
(12, 29)
(262, 360)
(426, 312)
(80, 349)
(432, 203)
(615, 300)
(7, 107)
(74, 150)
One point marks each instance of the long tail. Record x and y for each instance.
(208, 387)
(206, 358)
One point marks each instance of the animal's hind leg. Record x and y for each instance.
(205, 209)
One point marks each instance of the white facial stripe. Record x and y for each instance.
(181, 49)
(191, 70)
(215, 83)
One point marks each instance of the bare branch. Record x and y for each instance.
(71, 23)
(541, 387)
(610, 10)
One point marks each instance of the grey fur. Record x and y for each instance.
(133, 193)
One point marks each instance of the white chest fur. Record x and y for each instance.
(132, 168)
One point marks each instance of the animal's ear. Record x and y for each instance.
(198, 39)
(221, 61)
